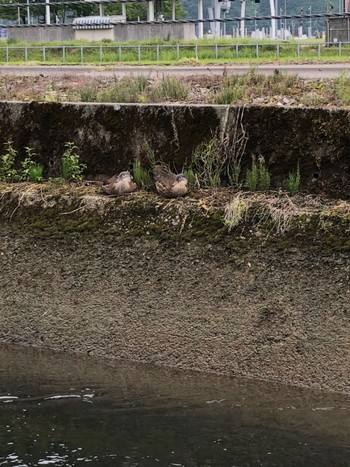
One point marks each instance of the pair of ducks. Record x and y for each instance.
(167, 183)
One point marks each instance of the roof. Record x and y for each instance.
(97, 22)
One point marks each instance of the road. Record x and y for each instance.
(308, 71)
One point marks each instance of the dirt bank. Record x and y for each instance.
(169, 282)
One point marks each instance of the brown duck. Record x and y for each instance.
(120, 184)
(169, 184)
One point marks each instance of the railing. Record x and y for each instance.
(104, 54)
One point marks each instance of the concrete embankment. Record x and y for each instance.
(263, 295)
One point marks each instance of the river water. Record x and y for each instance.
(66, 411)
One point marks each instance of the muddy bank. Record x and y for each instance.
(169, 282)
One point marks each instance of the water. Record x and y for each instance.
(63, 411)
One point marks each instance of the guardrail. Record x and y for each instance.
(103, 54)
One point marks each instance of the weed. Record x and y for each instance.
(51, 94)
(126, 90)
(292, 183)
(252, 177)
(71, 168)
(342, 89)
(7, 161)
(258, 177)
(234, 149)
(30, 170)
(169, 89)
(235, 211)
(191, 177)
(88, 94)
(207, 163)
(278, 212)
(264, 175)
(150, 154)
(141, 175)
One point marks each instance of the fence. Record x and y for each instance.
(79, 54)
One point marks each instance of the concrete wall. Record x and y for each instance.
(132, 32)
(120, 32)
(94, 34)
(111, 136)
(42, 33)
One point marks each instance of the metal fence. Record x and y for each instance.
(103, 54)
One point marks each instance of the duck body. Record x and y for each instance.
(169, 184)
(120, 184)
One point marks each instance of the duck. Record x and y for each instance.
(120, 184)
(169, 184)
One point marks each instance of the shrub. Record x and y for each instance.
(71, 168)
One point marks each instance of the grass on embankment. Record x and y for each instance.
(156, 51)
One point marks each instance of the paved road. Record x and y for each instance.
(304, 71)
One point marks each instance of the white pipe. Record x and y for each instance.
(173, 10)
(273, 20)
(242, 25)
(217, 15)
(28, 12)
(200, 17)
(150, 10)
(47, 12)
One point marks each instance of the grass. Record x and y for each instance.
(152, 51)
